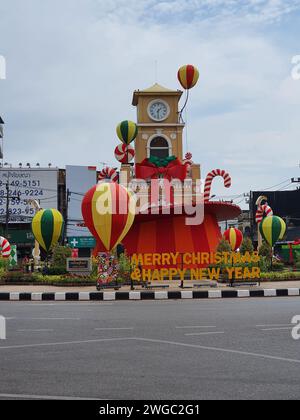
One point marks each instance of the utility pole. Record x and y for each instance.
(7, 210)
(1, 137)
(65, 231)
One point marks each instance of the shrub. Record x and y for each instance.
(124, 268)
(265, 264)
(277, 266)
(224, 246)
(285, 275)
(265, 250)
(59, 260)
(54, 271)
(247, 246)
(16, 277)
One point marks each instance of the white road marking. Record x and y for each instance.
(45, 397)
(272, 325)
(220, 350)
(113, 329)
(64, 303)
(35, 330)
(205, 333)
(278, 329)
(157, 341)
(63, 343)
(50, 319)
(197, 326)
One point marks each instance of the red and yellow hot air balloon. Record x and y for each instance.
(234, 237)
(108, 210)
(188, 76)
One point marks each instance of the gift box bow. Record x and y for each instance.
(148, 170)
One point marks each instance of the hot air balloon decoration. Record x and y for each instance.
(127, 131)
(47, 227)
(234, 237)
(272, 229)
(188, 76)
(5, 248)
(108, 210)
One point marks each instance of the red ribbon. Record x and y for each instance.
(174, 170)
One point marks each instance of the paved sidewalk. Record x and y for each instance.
(173, 287)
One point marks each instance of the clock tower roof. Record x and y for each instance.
(156, 89)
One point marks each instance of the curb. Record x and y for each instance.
(142, 295)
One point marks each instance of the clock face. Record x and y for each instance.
(158, 110)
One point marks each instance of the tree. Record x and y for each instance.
(265, 250)
(247, 246)
(59, 258)
(124, 267)
(224, 246)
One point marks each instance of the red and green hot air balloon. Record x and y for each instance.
(234, 237)
(127, 131)
(188, 76)
(47, 227)
(272, 229)
(108, 210)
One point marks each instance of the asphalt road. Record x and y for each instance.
(220, 349)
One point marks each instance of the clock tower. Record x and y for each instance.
(160, 131)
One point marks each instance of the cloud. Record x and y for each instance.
(199, 10)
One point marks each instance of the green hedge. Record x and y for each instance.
(19, 277)
(286, 275)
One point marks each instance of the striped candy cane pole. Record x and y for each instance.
(108, 174)
(262, 212)
(5, 247)
(209, 179)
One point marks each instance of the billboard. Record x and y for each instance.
(23, 185)
(79, 179)
(285, 204)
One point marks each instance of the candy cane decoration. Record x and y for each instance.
(188, 162)
(5, 247)
(108, 174)
(209, 179)
(262, 210)
(124, 154)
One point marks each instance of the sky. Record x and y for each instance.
(72, 67)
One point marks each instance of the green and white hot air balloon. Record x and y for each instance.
(47, 228)
(127, 131)
(272, 229)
